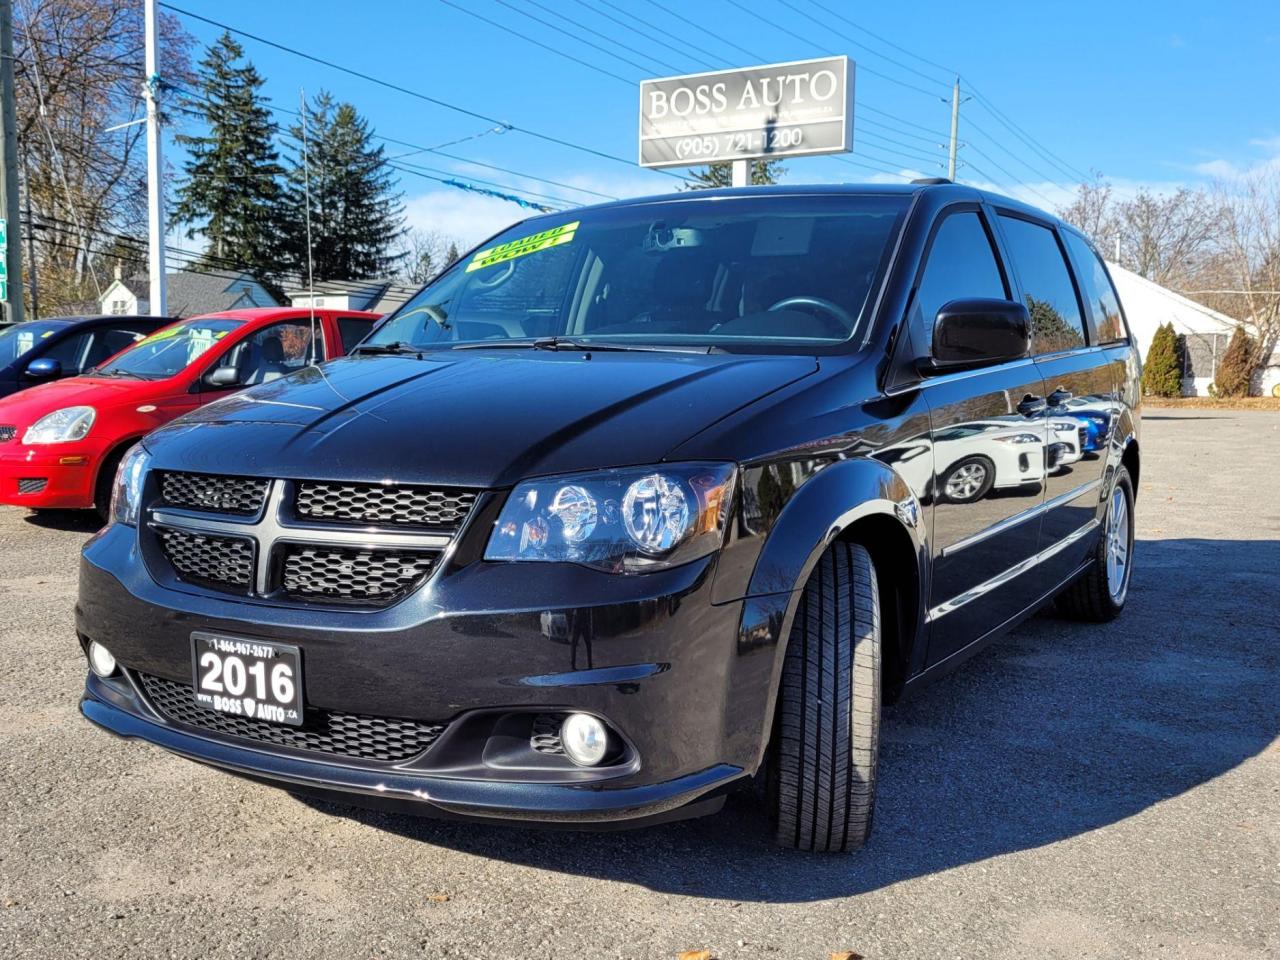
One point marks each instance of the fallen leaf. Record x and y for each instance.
(438, 898)
(695, 955)
(846, 955)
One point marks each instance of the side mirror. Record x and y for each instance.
(222, 377)
(46, 368)
(979, 331)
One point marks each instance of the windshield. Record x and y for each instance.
(783, 272)
(21, 338)
(171, 350)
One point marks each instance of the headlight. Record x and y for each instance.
(622, 521)
(61, 426)
(1022, 438)
(126, 497)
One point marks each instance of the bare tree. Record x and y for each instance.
(1242, 279)
(1093, 211)
(78, 71)
(425, 254)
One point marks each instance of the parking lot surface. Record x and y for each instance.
(1074, 791)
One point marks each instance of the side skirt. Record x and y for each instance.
(943, 667)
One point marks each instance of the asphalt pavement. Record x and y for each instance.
(1075, 791)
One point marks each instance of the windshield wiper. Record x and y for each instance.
(394, 347)
(552, 343)
(117, 372)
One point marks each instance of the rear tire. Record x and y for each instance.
(828, 733)
(1099, 594)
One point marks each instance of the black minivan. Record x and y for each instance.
(631, 507)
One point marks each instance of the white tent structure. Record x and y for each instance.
(1206, 332)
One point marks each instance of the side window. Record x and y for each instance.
(271, 353)
(1056, 323)
(69, 352)
(108, 341)
(961, 264)
(353, 330)
(1097, 289)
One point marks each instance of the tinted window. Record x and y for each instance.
(353, 330)
(783, 272)
(1056, 323)
(24, 337)
(1097, 289)
(961, 264)
(69, 352)
(108, 341)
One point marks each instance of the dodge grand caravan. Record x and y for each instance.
(631, 507)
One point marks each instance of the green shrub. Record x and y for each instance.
(1162, 373)
(1235, 369)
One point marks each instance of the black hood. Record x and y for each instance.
(470, 418)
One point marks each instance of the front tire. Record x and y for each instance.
(1099, 594)
(828, 734)
(104, 486)
(969, 480)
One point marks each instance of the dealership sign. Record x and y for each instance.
(778, 110)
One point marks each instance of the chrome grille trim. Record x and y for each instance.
(302, 560)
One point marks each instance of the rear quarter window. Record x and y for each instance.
(1097, 289)
(1056, 321)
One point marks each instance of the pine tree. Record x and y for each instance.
(1235, 370)
(357, 219)
(1162, 372)
(231, 193)
(721, 174)
(451, 257)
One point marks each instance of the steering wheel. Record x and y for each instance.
(823, 308)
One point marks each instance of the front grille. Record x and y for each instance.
(344, 734)
(546, 735)
(352, 575)
(243, 496)
(7, 434)
(373, 503)
(32, 484)
(224, 563)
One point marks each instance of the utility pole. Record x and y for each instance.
(741, 173)
(11, 281)
(955, 131)
(155, 169)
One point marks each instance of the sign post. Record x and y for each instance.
(803, 108)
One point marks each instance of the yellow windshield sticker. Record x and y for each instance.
(164, 334)
(525, 245)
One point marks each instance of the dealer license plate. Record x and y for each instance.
(248, 678)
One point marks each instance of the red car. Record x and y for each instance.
(60, 443)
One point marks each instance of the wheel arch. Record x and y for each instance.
(856, 500)
(116, 449)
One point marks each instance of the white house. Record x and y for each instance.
(190, 294)
(378, 296)
(1205, 332)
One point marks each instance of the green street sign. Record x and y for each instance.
(4, 290)
(4, 264)
(4, 232)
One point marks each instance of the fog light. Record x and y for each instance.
(101, 662)
(585, 739)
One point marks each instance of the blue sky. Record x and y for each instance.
(1150, 94)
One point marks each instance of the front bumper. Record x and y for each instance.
(651, 655)
(58, 476)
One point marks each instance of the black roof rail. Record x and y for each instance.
(931, 181)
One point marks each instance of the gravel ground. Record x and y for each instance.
(1075, 791)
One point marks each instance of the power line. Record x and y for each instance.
(1026, 137)
(604, 36)
(565, 33)
(538, 43)
(839, 16)
(658, 39)
(807, 40)
(729, 43)
(436, 101)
